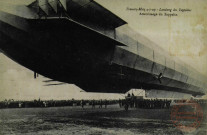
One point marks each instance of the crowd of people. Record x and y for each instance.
(56, 103)
(146, 103)
(134, 102)
(129, 101)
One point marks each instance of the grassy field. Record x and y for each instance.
(75, 120)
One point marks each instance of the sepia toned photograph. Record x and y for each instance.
(103, 67)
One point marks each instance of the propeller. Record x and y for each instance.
(158, 77)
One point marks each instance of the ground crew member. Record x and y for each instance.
(100, 106)
(105, 103)
(93, 103)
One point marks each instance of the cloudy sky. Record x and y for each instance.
(183, 36)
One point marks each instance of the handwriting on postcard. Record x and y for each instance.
(168, 12)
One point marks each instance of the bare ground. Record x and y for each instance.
(78, 121)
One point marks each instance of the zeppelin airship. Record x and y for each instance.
(81, 42)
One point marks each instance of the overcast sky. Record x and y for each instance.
(184, 36)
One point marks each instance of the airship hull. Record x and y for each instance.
(70, 51)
